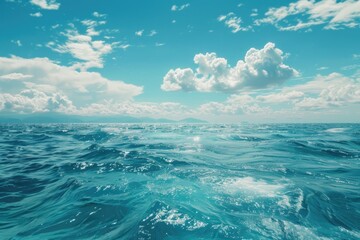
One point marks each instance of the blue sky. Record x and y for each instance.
(256, 61)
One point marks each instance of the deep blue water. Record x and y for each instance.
(133, 181)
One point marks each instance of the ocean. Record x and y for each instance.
(179, 181)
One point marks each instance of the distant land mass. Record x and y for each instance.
(63, 118)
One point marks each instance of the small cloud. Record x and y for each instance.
(356, 56)
(159, 44)
(55, 26)
(221, 18)
(98, 15)
(37, 14)
(139, 33)
(233, 22)
(124, 46)
(17, 42)
(322, 68)
(175, 8)
(254, 13)
(46, 4)
(173, 21)
(152, 33)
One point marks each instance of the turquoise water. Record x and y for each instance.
(136, 181)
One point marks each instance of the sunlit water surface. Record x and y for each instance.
(138, 181)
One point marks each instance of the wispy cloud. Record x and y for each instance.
(89, 47)
(322, 68)
(159, 44)
(356, 56)
(304, 14)
(99, 15)
(46, 4)
(15, 76)
(254, 12)
(37, 14)
(17, 42)
(233, 22)
(152, 33)
(139, 33)
(180, 8)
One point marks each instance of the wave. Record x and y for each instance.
(154, 181)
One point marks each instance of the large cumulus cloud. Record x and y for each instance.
(261, 68)
(39, 84)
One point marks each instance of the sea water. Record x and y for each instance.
(173, 181)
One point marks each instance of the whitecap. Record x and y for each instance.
(252, 186)
(335, 130)
(174, 218)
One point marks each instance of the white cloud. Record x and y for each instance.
(84, 46)
(322, 68)
(254, 12)
(139, 33)
(307, 13)
(350, 67)
(159, 44)
(123, 46)
(44, 86)
(99, 15)
(143, 109)
(91, 24)
(46, 4)
(260, 69)
(15, 76)
(55, 26)
(32, 100)
(152, 33)
(356, 56)
(17, 42)
(284, 96)
(234, 105)
(322, 92)
(179, 8)
(329, 91)
(52, 81)
(233, 22)
(324, 95)
(37, 14)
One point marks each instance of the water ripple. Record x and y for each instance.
(154, 181)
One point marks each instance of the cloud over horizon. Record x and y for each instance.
(26, 82)
(322, 93)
